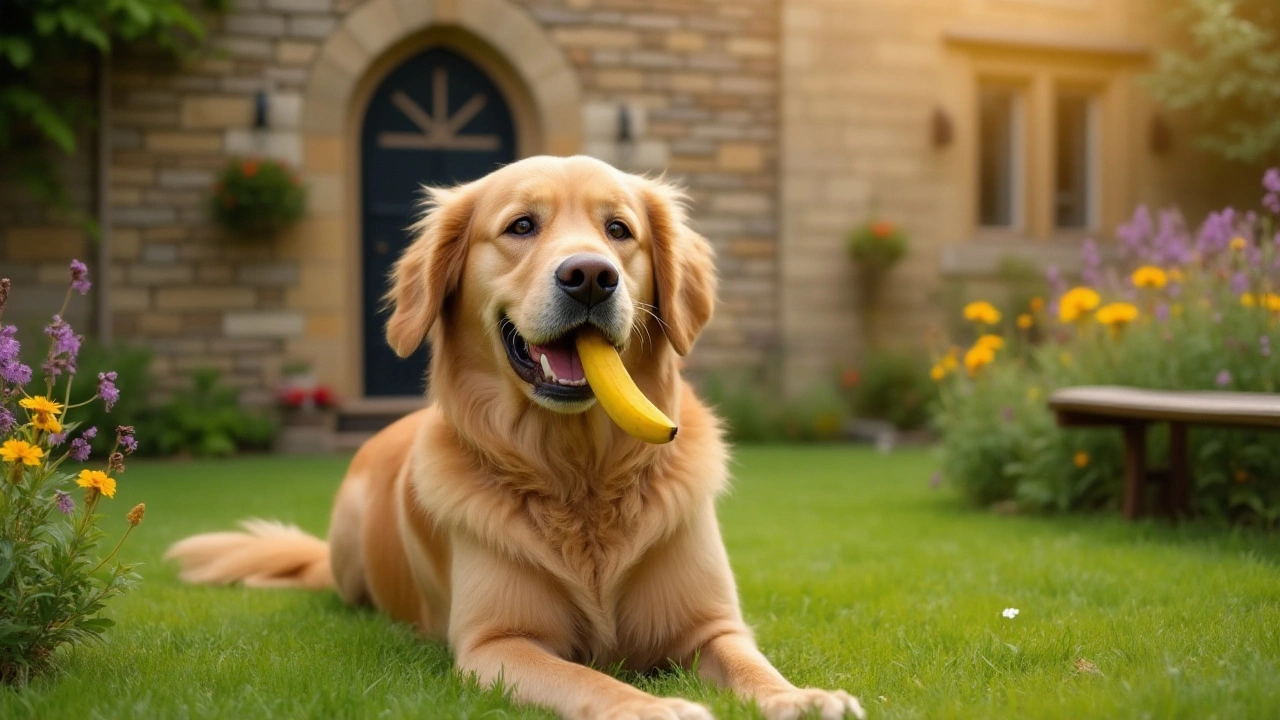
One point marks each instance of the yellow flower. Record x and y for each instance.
(1117, 314)
(1025, 321)
(21, 451)
(1271, 301)
(1064, 358)
(1238, 243)
(978, 357)
(40, 404)
(1149, 276)
(1076, 303)
(937, 373)
(45, 421)
(1082, 459)
(1248, 300)
(1033, 393)
(995, 342)
(981, 312)
(951, 360)
(97, 480)
(1037, 304)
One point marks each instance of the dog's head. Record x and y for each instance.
(515, 264)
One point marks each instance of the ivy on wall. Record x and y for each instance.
(40, 41)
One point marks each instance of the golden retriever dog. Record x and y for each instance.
(511, 517)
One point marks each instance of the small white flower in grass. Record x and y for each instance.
(1010, 613)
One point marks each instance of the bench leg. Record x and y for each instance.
(1179, 471)
(1135, 469)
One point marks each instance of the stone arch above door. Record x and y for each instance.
(377, 27)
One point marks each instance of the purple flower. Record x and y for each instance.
(107, 389)
(79, 449)
(1271, 182)
(1134, 233)
(90, 434)
(65, 348)
(1239, 283)
(7, 421)
(80, 277)
(124, 436)
(1091, 262)
(1162, 311)
(56, 439)
(1224, 378)
(66, 505)
(1216, 232)
(11, 370)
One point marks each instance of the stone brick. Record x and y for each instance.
(284, 111)
(324, 325)
(278, 274)
(185, 179)
(143, 216)
(125, 244)
(161, 254)
(283, 145)
(751, 47)
(685, 41)
(748, 248)
(183, 142)
(692, 82)
(251, 48)
(324, 153)
(254, 24)
(295, 52)
(129, 299)
(264, 324)
(121, 175)
(203, 112)
(620, 79)
(310, 26)
(742, 157)
(312, 6)
(596, 37)
(215, 273)
(204, 298)
(154, 323)
(161, 274)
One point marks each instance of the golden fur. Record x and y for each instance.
(536, 540)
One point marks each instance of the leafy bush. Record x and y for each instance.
(207, 421)
(51, 589)
(894, 387)
(255, 197)
(752, 413)
(132, 368)
(1186, 311)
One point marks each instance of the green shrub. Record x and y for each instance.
(753, 413)
(894, 387)
(258, 197)
(207, 421)
(1184, 312)
(133, 377)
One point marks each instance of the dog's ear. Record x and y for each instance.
(683, 266)
(430, 269)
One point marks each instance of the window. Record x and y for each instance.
(1074, 204)
(999, 157)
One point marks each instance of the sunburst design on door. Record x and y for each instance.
(439, 128)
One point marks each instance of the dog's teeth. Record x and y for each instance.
(547, 372)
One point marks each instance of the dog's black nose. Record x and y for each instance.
(589, 279)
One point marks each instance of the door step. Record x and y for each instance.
(362, 418)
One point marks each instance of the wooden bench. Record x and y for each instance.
(1133, 410)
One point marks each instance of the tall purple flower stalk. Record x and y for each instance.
(80, 277)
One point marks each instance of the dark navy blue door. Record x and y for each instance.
(436, 120)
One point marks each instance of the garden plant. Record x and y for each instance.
(54, 582)
(1184, 310)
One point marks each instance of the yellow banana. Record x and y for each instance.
(617, 392)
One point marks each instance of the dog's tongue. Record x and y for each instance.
(560, 360)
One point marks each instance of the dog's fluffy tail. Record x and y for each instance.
(267, 554)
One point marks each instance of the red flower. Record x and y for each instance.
(882, 229)
(293, 397)
(249, 168)
(849, 379)
(324, 397)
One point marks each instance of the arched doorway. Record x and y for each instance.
(437, 119)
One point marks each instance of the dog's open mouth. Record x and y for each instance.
(552, 368)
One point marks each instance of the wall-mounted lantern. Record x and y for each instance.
(626, 129)
(940, 128)
(260, 110)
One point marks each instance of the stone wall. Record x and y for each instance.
(861, 82)
(699, 77)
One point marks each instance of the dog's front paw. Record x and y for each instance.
(656, 708)
(829, 704)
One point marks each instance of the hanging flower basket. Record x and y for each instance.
(257, 197)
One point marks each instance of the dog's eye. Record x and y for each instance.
(617, 230)
(522, 226)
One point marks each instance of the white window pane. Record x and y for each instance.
(1074, 153)
(998, 169)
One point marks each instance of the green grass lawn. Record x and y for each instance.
(853, 571)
